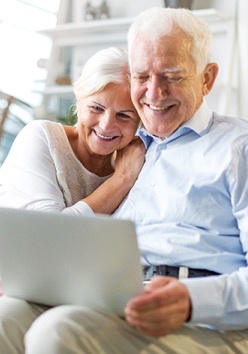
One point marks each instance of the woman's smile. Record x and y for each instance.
(103, 136)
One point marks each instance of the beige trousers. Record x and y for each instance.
(74, 329)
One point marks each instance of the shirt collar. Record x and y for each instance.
(199, 123)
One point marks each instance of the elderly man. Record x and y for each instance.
(190, 205)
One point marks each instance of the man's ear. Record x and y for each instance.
(209, 75)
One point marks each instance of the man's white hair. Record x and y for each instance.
(157, 22)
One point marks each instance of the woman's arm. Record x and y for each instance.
(28, 177)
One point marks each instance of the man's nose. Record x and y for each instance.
(157, 88)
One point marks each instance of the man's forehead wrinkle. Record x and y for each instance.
(175, 69)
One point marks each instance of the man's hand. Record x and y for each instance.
(161, 309)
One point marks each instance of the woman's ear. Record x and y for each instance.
(209, 75)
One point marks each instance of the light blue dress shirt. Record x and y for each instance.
(190, 206)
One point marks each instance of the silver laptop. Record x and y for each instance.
(59, 259)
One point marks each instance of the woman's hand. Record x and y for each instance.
(108, 196)
(162, 309)
(130, 160)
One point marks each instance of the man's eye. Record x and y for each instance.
(141, 78)
(175, 79)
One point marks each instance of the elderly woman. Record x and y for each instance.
(73, 169)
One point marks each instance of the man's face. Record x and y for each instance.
(165, 88)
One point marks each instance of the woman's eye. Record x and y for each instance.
(96, 109)
(123, 115)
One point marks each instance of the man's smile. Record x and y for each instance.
(159, 108)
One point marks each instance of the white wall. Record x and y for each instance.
(241, 63)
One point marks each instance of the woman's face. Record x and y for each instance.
(107, 121)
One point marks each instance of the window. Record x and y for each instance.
(22, 46)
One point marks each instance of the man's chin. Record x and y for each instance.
(159, 133)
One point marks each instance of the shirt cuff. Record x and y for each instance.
(205, 295)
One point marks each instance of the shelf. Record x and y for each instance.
(58, 90)
(70, 34)
(88, 36)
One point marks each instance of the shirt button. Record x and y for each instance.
(162, 147)
(153, 183)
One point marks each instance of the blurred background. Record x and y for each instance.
(44, 44)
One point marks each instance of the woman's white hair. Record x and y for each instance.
(157, 22)
(104, 67)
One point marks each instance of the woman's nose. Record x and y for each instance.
(107, 121)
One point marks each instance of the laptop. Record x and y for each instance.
(57, 259)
